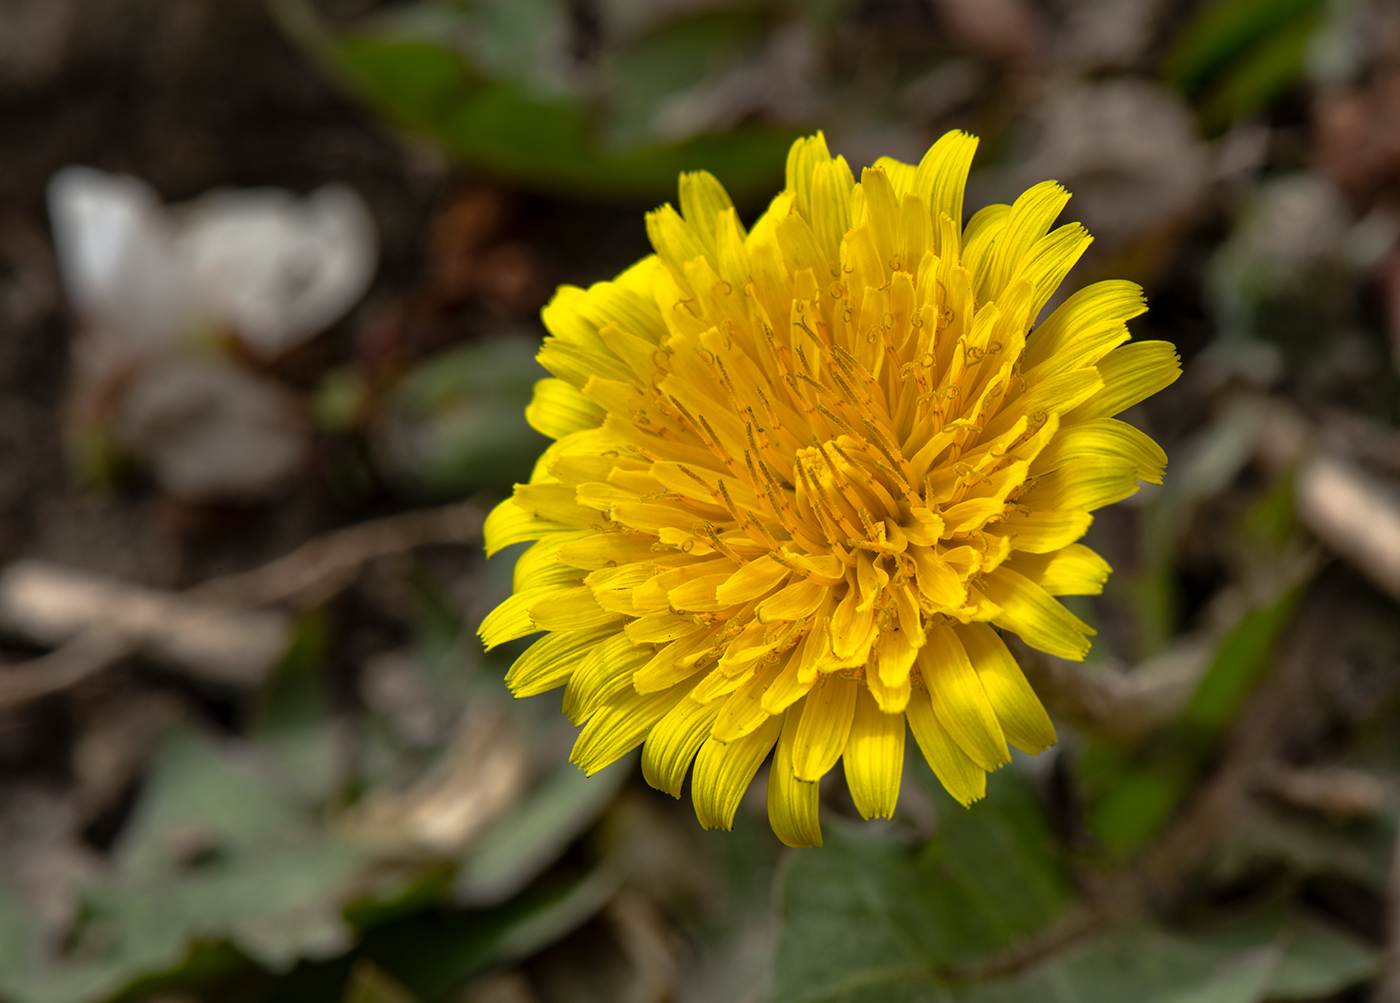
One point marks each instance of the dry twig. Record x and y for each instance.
(1356, 515)
(53, 605)
(208, 631)
(81, 658)
(318, 569)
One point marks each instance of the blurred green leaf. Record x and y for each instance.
(341, 400)
(1239, 664)
(524, 843)
(1132, 796)
(1317, 961)
(503, 127)
(1222, 32)
(1237, 55)
(457, 422)
(434, 952)
(1268, 70)
(1273, 517)
(293, 720)
(1140, 801)
(213, 853)
(673, 59)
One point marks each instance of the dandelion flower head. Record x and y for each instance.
(806, 474)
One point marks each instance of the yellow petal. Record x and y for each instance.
(941, 176)
(1082, 485)
(796, 601)
(627, 303)
(659, 628)
(853, 631)
(595, 551)
(788, 687)
(509, 523)
(1030, 219)
(831, 205)
(895, 655)
(1060, 393)
(959, 699)
(980, 237)
(824, 726)
(743, 711)
(1086, 314)
(901, 175)
(551, 660)
(1130, 374)
(890, 699)
(620, 725)
(1049, 260)
(539, 565)
(1041, 622)
(874, 758)
(1072, 571)
(703, 199)
(558, 409)
(571, 609)
(723, 771)
(674, 240)
(963, 778)
(576, 353)
(754, 579)
(673, 742)
(674, 662)
(1041, 532)
(607, 671)
(1022, 716)
(1103, 437)
(555, 502)
(511, 619)
(793, 804)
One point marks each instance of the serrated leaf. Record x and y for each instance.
(867, 920)
(866, 911)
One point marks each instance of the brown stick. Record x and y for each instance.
(323, 566)
(208, 630)
(82, 658)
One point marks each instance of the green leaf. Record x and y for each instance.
(550, 142)
(1224, 32)
(867, 911)
(433, 953)
(457, 421)
(1240, 663)
(1269, 69)
(212, 853)
(528, 840)
(868, 920)
(675, 58)
(1238, 55)
(1133, 796)
(293, 719)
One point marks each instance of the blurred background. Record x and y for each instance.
(270, 276)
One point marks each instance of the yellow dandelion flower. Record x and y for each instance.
(804, 474)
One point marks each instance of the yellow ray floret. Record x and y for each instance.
(803, 474)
